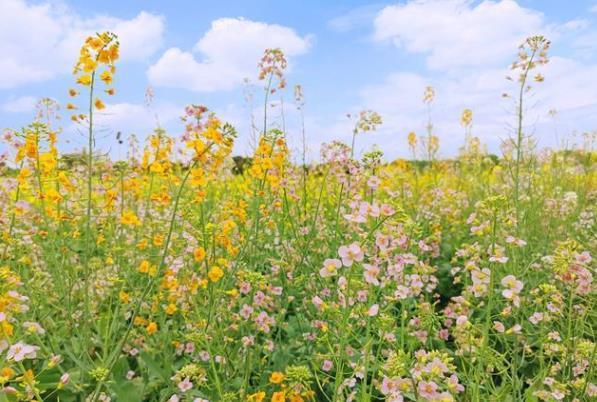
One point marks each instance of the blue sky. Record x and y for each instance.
(347, 55)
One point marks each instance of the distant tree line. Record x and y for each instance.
(240, 164)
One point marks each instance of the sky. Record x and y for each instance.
(347, 55)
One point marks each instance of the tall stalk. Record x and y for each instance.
(519, 132)
(89, 195)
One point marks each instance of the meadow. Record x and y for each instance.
(182, 274)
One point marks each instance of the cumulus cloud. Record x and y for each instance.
(21, 104)
(356, 18)
(481, 91)
(468, 48)
(41, 40)
(454, 33)
(136, 118)
(225, 55)
(127, 118)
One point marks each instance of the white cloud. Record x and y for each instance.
(136, 118)
(586, 43)
(227, 53)
(127, 118)
(40, 41)
(468, 47)
(21, 104)
(355, 18)
(399, 99)
(454, 33)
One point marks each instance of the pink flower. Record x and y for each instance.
(373, 182)
(64, 379)
(536, 318)
(373, 310)
(356, 218)
(427, 389)
(479, 289)
(259, 298)
(421, 335)
(185, 385)
(423, 246)
(370, 274)
(276, 290)
(512, 285)
(558, 395)
(443, 334)
(362, 296)
(20, 351)
(481, 276)
(246, 311)
(330, 267)
(390, 386)
(402, 292)
(499, 327)
(248, 341)
(382, 241)
(453, 384)
(245, 288)
(437, 366)
(350, 254)
(327, 365)
(369, 209)
(584, 257)
(501, 259)
(189, 347)
(317, 302)
(264, 321)
(386, 210)
(444, 396)
(204, 355)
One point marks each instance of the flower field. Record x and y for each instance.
(182, 274)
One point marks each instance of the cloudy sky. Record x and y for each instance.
(348, 55)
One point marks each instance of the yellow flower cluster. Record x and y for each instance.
(99, 51)
(269, 160)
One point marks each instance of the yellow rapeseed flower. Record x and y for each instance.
(279, 396)
(99, 105)
(151, 328)
(84, 79)
(276, 377)
(257, 397)
(199, 254)
(129, 218)
(106, 76)
(215, 274)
